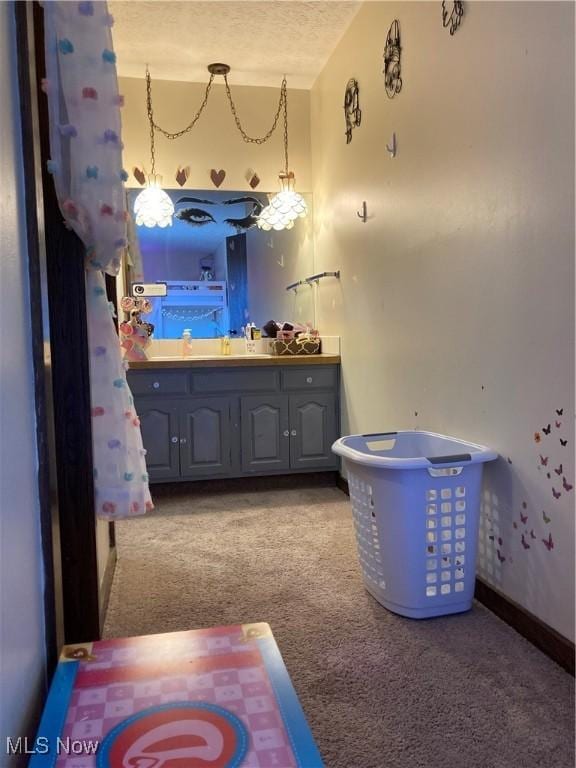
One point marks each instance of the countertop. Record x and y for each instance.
(233, 361)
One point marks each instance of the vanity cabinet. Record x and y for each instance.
(212, 423)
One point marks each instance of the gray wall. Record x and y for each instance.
(22, 654)
(456, 300)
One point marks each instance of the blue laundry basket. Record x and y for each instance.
(416, 504)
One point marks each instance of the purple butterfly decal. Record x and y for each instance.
(500, 557)
(558, 470)
(544, 460)
(525, 543)
(565, 483)
(547, 429)
(556, 493)
(524, 518)
(548, 543)
(558, 424)
(532, 534)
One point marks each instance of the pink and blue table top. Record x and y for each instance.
(208, 698)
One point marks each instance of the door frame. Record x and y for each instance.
(61, 369)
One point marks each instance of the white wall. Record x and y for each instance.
(22, 653)
(215, 142)
(456, 300)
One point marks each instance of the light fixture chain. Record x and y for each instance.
(194, 120)
(256, 139)
(150, 121)
(285, 125)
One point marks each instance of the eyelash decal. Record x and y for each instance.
(195, 216)
(248, 221)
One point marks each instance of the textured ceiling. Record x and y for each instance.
(260, 40)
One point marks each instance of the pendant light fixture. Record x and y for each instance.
(153, 207)
(283, 209)
(287, 205)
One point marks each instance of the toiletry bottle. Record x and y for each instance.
(186, 342)
(225, 345)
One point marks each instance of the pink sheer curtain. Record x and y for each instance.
(86, 164)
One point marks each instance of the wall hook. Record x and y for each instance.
(392, 146)
(364, 214)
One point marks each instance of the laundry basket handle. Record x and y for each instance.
(449, 459)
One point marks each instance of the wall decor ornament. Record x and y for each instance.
(217, 176)
(452, 15)
(352, 111)
(140, 176)
(392, 52)
(182, 175)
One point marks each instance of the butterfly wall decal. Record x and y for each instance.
(532, 534)
(524, 518)
(547, 429)
(545, 517)
(565, 483)
(500, 556)
(563, 443)
(548, 543)
(559, 411)
(515, 524)
(525, 543)
(524, 505)
(558, 470)
(558, 424)
(544, 460)
(556, 493)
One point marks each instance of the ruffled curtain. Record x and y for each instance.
(86, 164)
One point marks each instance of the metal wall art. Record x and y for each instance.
(392, 51)
(352, 111)
(452, 15)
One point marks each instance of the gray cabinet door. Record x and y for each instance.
(205, 437)
(313, 429)
(265, 433)
(160, 435)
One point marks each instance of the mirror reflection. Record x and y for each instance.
(221, 271)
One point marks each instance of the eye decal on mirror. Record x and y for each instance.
(195, 216)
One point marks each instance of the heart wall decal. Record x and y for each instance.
(139, 175)
(182, 175)
(252, 178)
(217, 176)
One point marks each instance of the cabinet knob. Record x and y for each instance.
(293, 433)
(286, 433)
(308, 379)
(183, 440)
(156, 385)
(173, 439)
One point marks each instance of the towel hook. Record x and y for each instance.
(364, 213)
(392, 146)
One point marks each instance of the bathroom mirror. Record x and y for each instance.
(221, 275)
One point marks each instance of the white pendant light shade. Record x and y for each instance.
(153, 207)
(284, 208)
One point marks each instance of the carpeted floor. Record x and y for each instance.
(379, 691)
